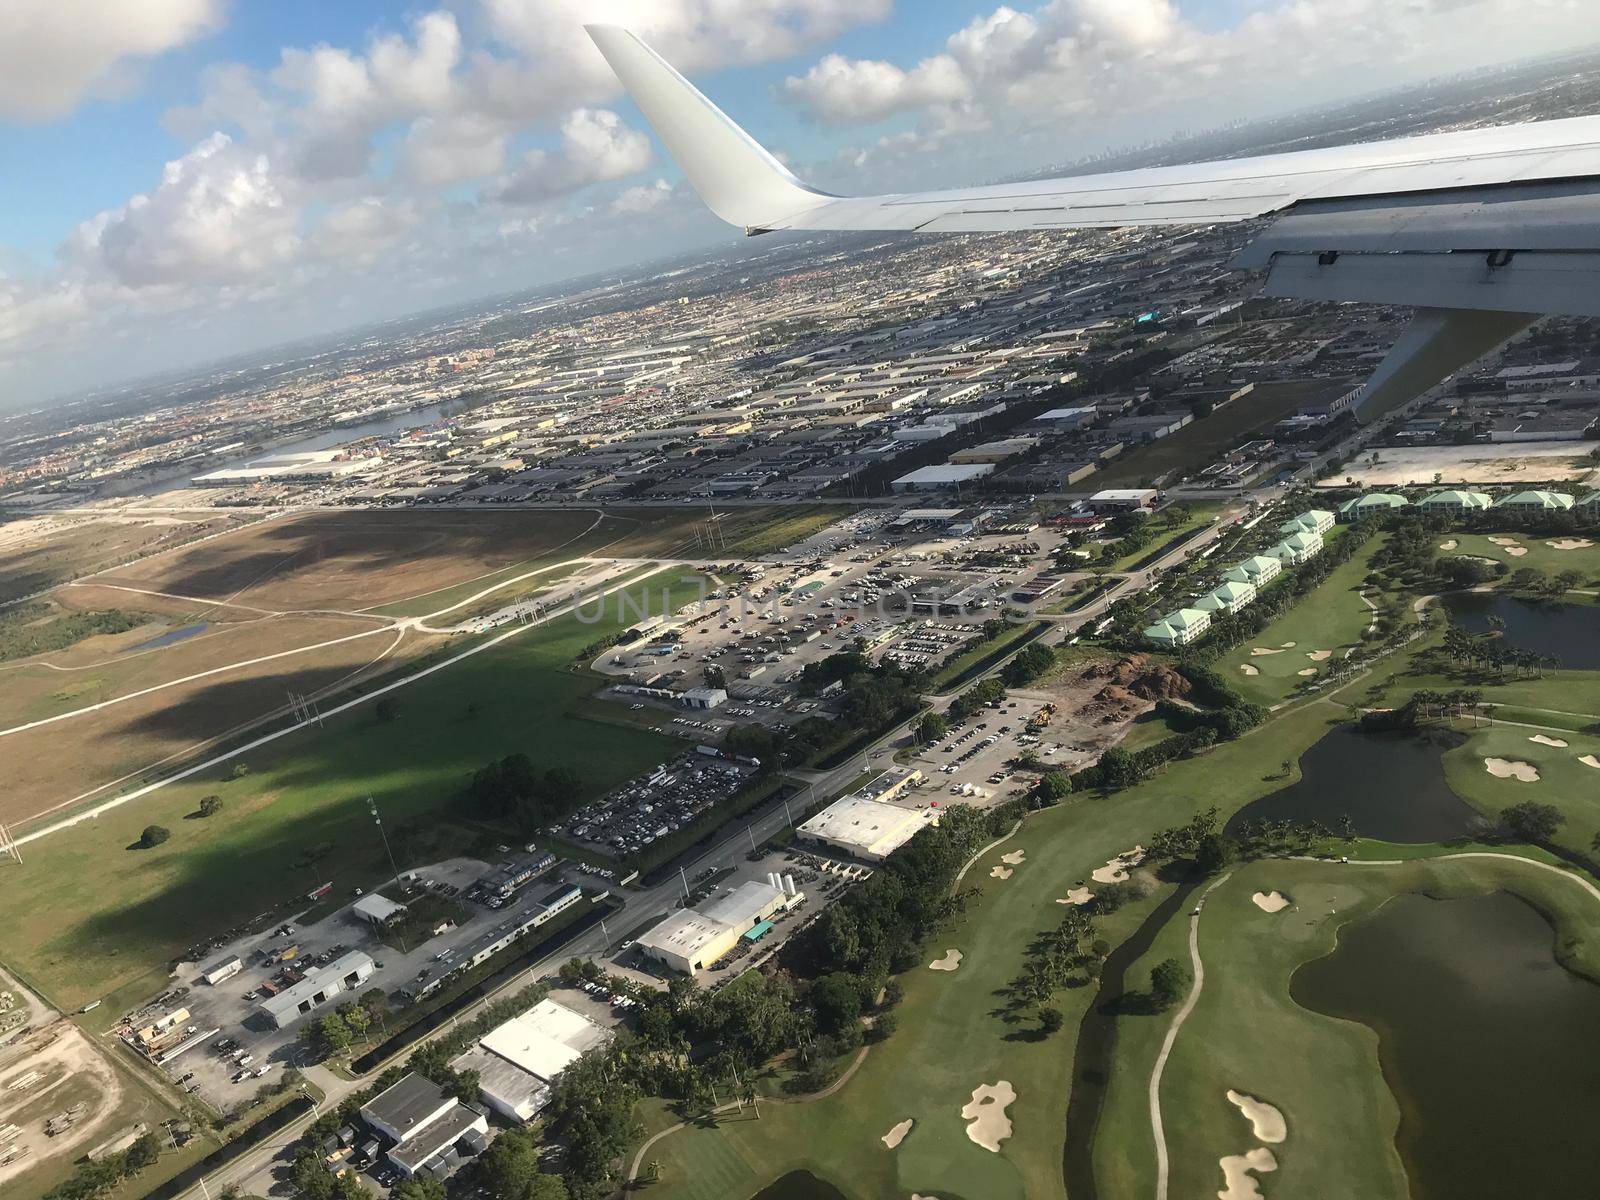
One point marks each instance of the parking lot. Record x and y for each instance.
(652, 806)
(212, 1069)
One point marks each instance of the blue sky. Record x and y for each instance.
(189, 178)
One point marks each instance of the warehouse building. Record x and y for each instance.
(321, 984)
(226, 969)
(865, 828)
(691, 940)
(377, 909)
(942, 477)
(430, 1131)
(518, 1061)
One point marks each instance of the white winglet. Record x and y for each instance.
(738, 180)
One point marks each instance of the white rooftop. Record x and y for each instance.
(870, 826)
(544, 1040)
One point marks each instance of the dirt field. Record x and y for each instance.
(354, 560)
(38, 552)
(1519, 463)
(1098, 702)
(70, 1071)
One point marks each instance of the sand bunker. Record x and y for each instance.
(1248, 669)
(1571, 544)
(1270, 901)
(1236, 1170)
(1290, 645)
(1266, 1122)
(1083, 895)
(1504, 541)
(1449, 545)
(986, 1112)
(1319, 655)
(1516, 551)
(1505, 768)
(898, 1134)
(1590, 760)
(950, 961)
(1262, 652)
(1000, 873)
(1015, 858)
(1116, 869)
(1549, 741)
(1309, 671)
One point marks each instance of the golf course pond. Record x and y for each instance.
(1391, 785)
(1485, 1040)
(800, 1185)
(1569, 632)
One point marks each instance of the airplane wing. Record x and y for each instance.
(1484, 229)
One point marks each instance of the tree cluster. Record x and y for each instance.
(515, 791)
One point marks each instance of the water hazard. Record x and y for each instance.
(1392, 786)
(1486, 1041)
(1568, 632)
(173, 636)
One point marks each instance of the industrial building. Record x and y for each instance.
(865, 828)
(377, 909)
(321, 984)
(691, 940)
(938, 478)
(226, 969)
(1123, 500)
(430, 1132)
(518, 1061)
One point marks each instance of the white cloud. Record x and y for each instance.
(1068, 61)
(596, 147)
(360, 232)
(642, 198)
(219, 216)
(56, 53)
(841, 91)
(439, 151)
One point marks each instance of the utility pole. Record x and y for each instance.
(685, 879)
(372, 807)
(787, 813)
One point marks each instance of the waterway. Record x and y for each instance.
(1569, 632)
(1486, 1041)
(1391, 785)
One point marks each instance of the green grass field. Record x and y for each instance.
(1540, 554)
(1564, 781)
(90, 918)
(1333, 617)
(1200, 515)
(1246, 1033)
(950, 1040)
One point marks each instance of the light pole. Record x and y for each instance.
(372, 807)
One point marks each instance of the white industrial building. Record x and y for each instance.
(691, 940)
(377, 909)
(516, 1062)
(321, 984)
(226, 969)
(945, 475)
(866, 828)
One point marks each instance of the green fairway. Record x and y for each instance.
(90, 918)
(1247, 1034)
(1540, 554)
(950, 1039)
(1332, 618)
(1564, 780)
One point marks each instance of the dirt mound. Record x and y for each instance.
(1130, 685)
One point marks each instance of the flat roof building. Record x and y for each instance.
(321, 984)
(866, 828)
(1123, 499)
(937, 478)
(691, 940)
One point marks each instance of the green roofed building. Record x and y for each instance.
(1456, 502)
(1370, 505)
(1227, 599)
(1535, 502)
(1590, 504)
(1313, 521)
(1258, 571)
(1178, 628)
(1293, 551)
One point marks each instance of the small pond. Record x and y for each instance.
(800, 1185)
(1570, 632)
(1486, 1041)
(1391, 785)
(174, 635)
